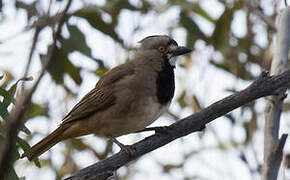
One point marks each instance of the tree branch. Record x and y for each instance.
(263, 86)
(272, 160)
(258, 12)
(22, 103)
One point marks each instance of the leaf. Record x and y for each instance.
(76, 42)
(195, 104)
(5, 95)
(3, 111)
(223, 66)
(192, 28)
(101, 71)
(198, 10)
(36, 110)
(79, 144)
(9, 94)
(93, 15)
(8, 77)
(25, 130)
(221, 34)
(181, 100)
(60, 65)
(12, 174)
(168, 167)
(37, 162)
(114, 8)
(25, 146)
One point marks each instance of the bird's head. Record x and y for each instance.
(163, 46)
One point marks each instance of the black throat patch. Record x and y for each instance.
(165, 83)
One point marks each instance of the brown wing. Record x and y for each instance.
(102, 96)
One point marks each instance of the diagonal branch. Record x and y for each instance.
(17, 115)
(263, 86)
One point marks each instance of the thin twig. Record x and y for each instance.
(265, 18)
(32, 49)
(22, 103)
(264, 86)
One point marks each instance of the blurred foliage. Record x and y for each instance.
(238, 53)
(7, 98)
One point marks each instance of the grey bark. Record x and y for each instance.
(272, 155)
(263, 86)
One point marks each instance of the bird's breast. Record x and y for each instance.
(165, 84)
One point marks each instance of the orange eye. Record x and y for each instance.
(161, 49)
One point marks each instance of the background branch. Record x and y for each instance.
(272, 158)
(263, 86)
(17, 115)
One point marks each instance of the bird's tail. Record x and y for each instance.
(45, 144)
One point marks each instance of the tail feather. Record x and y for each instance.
(45, 143)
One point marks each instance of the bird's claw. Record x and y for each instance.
(130, 150)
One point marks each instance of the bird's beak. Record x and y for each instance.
(180, 50)
(175, 51)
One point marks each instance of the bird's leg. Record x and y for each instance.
(157, 129)
(127, 148)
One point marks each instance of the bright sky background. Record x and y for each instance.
(203, 80)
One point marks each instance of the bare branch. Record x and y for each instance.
(263, 86)
(22, 103)
(265, 18)
(274, 160)
(32, 49)
(271, 135)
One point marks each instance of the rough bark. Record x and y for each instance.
(263, 86)
(272, 155)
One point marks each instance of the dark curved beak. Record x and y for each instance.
(180, 50)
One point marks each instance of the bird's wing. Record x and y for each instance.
(101, 97)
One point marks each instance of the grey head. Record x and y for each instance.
(163, 46)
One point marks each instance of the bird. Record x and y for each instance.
(125, 100)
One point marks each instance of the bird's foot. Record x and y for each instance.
(130, 150)
(127, 148)
(157, 129)
(202, 128)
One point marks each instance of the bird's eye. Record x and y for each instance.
(161, 49)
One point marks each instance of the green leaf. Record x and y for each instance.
(37, 162)
(198, 10)
(36, 110)
(221, 34)
(60, 65)
(9, 94)
(93, 15)
(181, 100)
(168, 167)
(223, 66)
(3, 111)
(101, 71)
(25, 146)
(12, 174)
(3, 92)
(76, 42)
(25, 130)
(192, 28)
(22, 143)
(79, 145)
